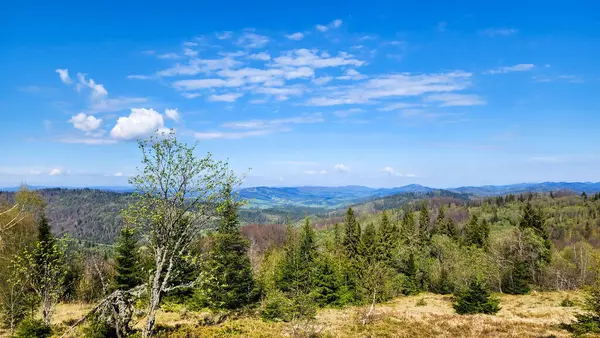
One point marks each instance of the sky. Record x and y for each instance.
(329, 93)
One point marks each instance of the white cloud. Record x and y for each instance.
(522, 67)
(224, 35)
(322, 80)
(310, 58)
(191, 95)
(35, 172)
(260, 56)
(394, 85)
(64, 76)
(98, 90)
(88, 141)
(206, 83)
(169, 56)
(391, 172)
(252, 40)
(315, 172)
(172, 114)
(456, 100)
(139, 77)
(118, 174)
(116, 104)
(230, 135)
(225, 97)
(499, 31)
(334, 24)
(196, 66)
(140, 123)
(397, 106)
(347, 112)
(352, 74)
(295, 36)
(341, 168)
(255, 124)
(55, 172)
(86, 123)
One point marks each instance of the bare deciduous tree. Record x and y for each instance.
(178, 194)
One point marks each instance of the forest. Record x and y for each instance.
(180, 257)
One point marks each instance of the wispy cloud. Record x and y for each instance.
(64, 76)
(225, 97)
(332, 25)
(341, 168)
(391, 172)
(499, 31)
(522, 67)
(296, 36)
(252, 40)
(455, 100)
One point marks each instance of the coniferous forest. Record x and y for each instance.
(175, 259)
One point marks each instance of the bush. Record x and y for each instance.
(33, 328)
(421, 302)
(476, 299)
(588, 322)
(97, 328)
(567, 302)
(275, 307)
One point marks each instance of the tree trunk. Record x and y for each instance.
(155, 294)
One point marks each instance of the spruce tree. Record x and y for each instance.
(440, 223)
(229, 281)
(387, 239)
(476, 299)
(521, 276)
(352, 235)
(424, 224)
(476, 232)
(532, 218)
(368, 245)
(127, 264)
(408, 226)
(328, 287)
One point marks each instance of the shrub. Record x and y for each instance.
(33, 328)
(421, 302)
(567, 302)
(97, 328)
(476, 299)
(275, 307)
(588, 322)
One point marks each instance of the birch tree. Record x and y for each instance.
(178, 194)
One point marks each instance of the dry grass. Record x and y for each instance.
(534, 315)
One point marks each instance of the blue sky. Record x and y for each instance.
(313, 93)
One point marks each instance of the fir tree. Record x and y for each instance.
(127, 264)
(229, 283)
(328, 287)
(337, 236)
(408, 227)
(476, 299)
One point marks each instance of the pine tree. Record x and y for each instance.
(127, 264)
(328, 287)
(307, 252)
(229, 283)
(476, 299)
(408, 226)
(337, 236)
(352, 235)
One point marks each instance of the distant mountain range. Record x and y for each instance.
(336, 197)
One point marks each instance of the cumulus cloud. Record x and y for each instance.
(55, 172)
(341, 168)
(334, 24)
(252, 40)
(260, 56)
(295, 36)
(352, 74)
(64, 76)
(140, 123)
(172, 114)
(391, 172)
(522, 67)
(86, 123)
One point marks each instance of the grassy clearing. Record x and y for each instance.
(424, 315)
